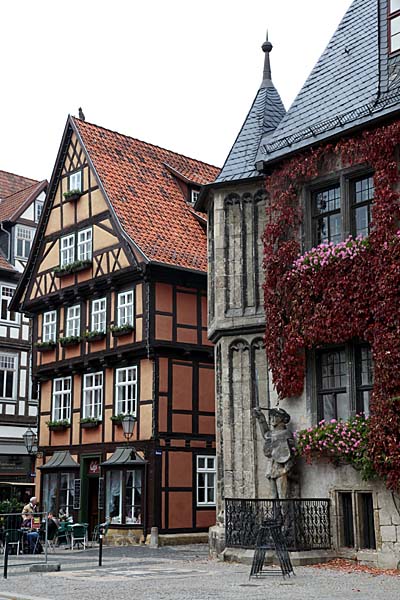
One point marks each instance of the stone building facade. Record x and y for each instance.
(352, 87)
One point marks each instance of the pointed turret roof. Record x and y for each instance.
(348, 86)
(265, 114)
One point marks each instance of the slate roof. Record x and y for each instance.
(342, 89)
(146, 196)
(264, 116)
(13, 205)
(11, 183)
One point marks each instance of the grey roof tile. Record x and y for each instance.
(341, 89)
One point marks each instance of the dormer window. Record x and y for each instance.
(194, 194)
(75, 181)
(394, 26)
(38, 210)
(23, 241)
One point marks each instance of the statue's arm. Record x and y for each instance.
(262, 421)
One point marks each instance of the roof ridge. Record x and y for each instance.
(143, 142)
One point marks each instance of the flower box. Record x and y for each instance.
(74, 340)
(118, 331)
(72, 195)
(90, 423)
(58, 425)
(94, 336)
(75, 267)
(45, 346)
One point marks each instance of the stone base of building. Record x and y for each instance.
(310, 557)
(130, 537)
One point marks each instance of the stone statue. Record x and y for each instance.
(278, 448)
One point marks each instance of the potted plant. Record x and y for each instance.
(45, 346)
(71, 340)
(74, 267)
(90, 422)
(59, 425)
(72, 195)
(118, 330)
(94, 336)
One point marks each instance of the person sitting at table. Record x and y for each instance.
(28, 511)
(52, 525)
(31, 535)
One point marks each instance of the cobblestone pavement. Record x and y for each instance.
(181, 573)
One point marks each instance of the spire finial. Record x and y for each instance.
(267, 47)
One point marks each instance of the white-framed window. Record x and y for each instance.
(125, 390)
(93, 395)
(8, 376)
(125, 308)
(75, 181)
(67, 249)
(49, 332)
(99, 314)
(62, 387)
(194, 194)
(6, 293)
(38, 210)
(73, 321)
(84, 250)
(206, 475)
(124, 485)
(23, 240)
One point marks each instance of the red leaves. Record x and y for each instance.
(358, 298)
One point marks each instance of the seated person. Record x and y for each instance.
(29, 509)
(52, 526)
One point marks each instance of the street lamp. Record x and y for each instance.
(128, 423)
(30, 441)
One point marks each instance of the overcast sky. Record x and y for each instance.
(181, 74)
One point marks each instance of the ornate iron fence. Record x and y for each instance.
(305, 523)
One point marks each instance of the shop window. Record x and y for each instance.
(124, 496)
(58, 493)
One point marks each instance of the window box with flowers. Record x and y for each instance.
(61, 425)
(72, 195)
(117, 419)
(119, 330)
(72, 340)
(90, 422)
(74, 267)
(45, 346)
(94, 336)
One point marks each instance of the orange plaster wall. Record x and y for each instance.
(163, 327)
(45, 396)
(44, 432)
(60, 438)
(72, 351)
(162, 413)
(180, 469)
(182, 387)
(180, 510)
(163, 374)
(205, 518)
(146, 380)
(207, 425)
(186, 308)
(139, 299)
(206, 390)
(146, 421)
(204, 339)
(186, 336)
(164, 297)
(182, 423)
(204, 311)
(92, 436)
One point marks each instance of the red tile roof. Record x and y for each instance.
(11, 183)
(4, 264)
(11, 206)
(146, 195)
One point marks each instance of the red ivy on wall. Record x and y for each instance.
(353, 297)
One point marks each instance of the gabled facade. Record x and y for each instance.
(327, 177)
(116, 286)
(21, 201)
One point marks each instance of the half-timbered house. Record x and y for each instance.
(116, 286)
(21, 202)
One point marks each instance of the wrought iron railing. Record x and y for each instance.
(305, 523)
